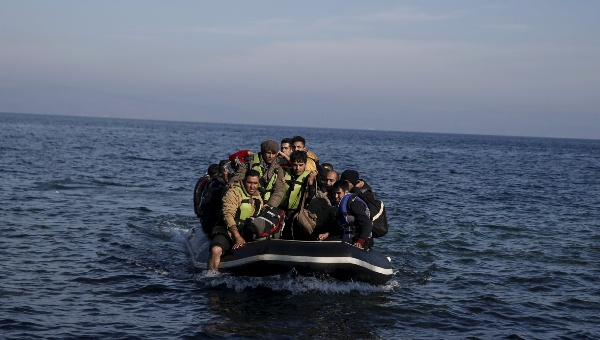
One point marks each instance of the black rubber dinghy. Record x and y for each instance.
(336, 259)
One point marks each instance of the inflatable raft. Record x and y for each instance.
(335, 259)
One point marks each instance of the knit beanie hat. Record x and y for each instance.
(350, 176)
(269, 145)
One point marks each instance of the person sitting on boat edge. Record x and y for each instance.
(202, 183)
(270, 172)
(298, 183)
(210, 205)
(353, 217)
(376, 207)
(239, 203)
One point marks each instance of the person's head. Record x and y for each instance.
(298, 143)
(213, 170)
(225, 169)
(331, 177)
(286, 146)
(298, 160)
(268, 150)
(327, 166)
(251, 181)
(351, 176)
(340, 188)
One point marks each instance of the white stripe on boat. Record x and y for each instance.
(306, 259)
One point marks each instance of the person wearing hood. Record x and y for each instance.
(271, 183)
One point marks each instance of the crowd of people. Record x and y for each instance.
(289, 177)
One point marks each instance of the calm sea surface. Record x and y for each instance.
(492, 237)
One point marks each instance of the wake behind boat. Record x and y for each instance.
(336, 259)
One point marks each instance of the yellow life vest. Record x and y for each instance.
(245, 210)
(268, 187)
(294, 189)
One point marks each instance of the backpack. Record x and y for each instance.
(377, 210)
(379, 218)
(210, 205)
(198, 189)
(267, 223)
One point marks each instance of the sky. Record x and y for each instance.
(505, 67)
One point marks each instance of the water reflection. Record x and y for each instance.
(295, 307)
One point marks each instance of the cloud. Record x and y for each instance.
(508, 27)
(381, 69)
(277, 27)
(404, 13)
(386, 65)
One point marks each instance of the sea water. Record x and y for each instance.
(490, 237)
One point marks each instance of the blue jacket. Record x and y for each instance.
(352, 214)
